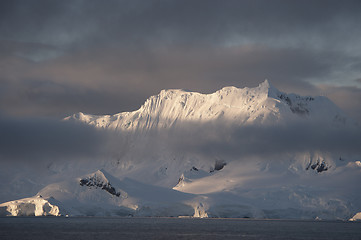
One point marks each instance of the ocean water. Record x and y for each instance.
(79, 228)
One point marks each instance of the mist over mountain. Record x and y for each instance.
(250, 152)
(238, 122)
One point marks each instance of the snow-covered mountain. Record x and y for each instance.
(261, 105)
(251, 152)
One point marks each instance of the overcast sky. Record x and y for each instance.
(105, 57)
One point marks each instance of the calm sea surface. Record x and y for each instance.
(79, 228)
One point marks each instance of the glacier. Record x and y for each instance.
(237, 152)
(33, 206)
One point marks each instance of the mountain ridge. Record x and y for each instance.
(260, 105)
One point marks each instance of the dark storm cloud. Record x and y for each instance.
(35, 140)
(59, 57)
(111, 81)
(48, 98)
(179, 21)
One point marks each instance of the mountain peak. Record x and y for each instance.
(263, 104)
(265, 84)
(268, 88)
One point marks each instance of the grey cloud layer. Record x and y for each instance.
(267, 142)
(35, 140)
(60, 57)
(43, 141)
(159, 21)
(120, 80)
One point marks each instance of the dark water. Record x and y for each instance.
(172, 228)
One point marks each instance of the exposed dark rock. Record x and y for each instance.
(219, 165)
(299, 107)
(319, 167)
(285, 99)
(322, 167)
(95, 182)
(181, 179)
(313, 166)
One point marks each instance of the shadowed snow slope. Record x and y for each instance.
(251, 152)
(100, 193)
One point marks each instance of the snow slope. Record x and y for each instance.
(263, 104)
(100, 193)
(211, 155)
